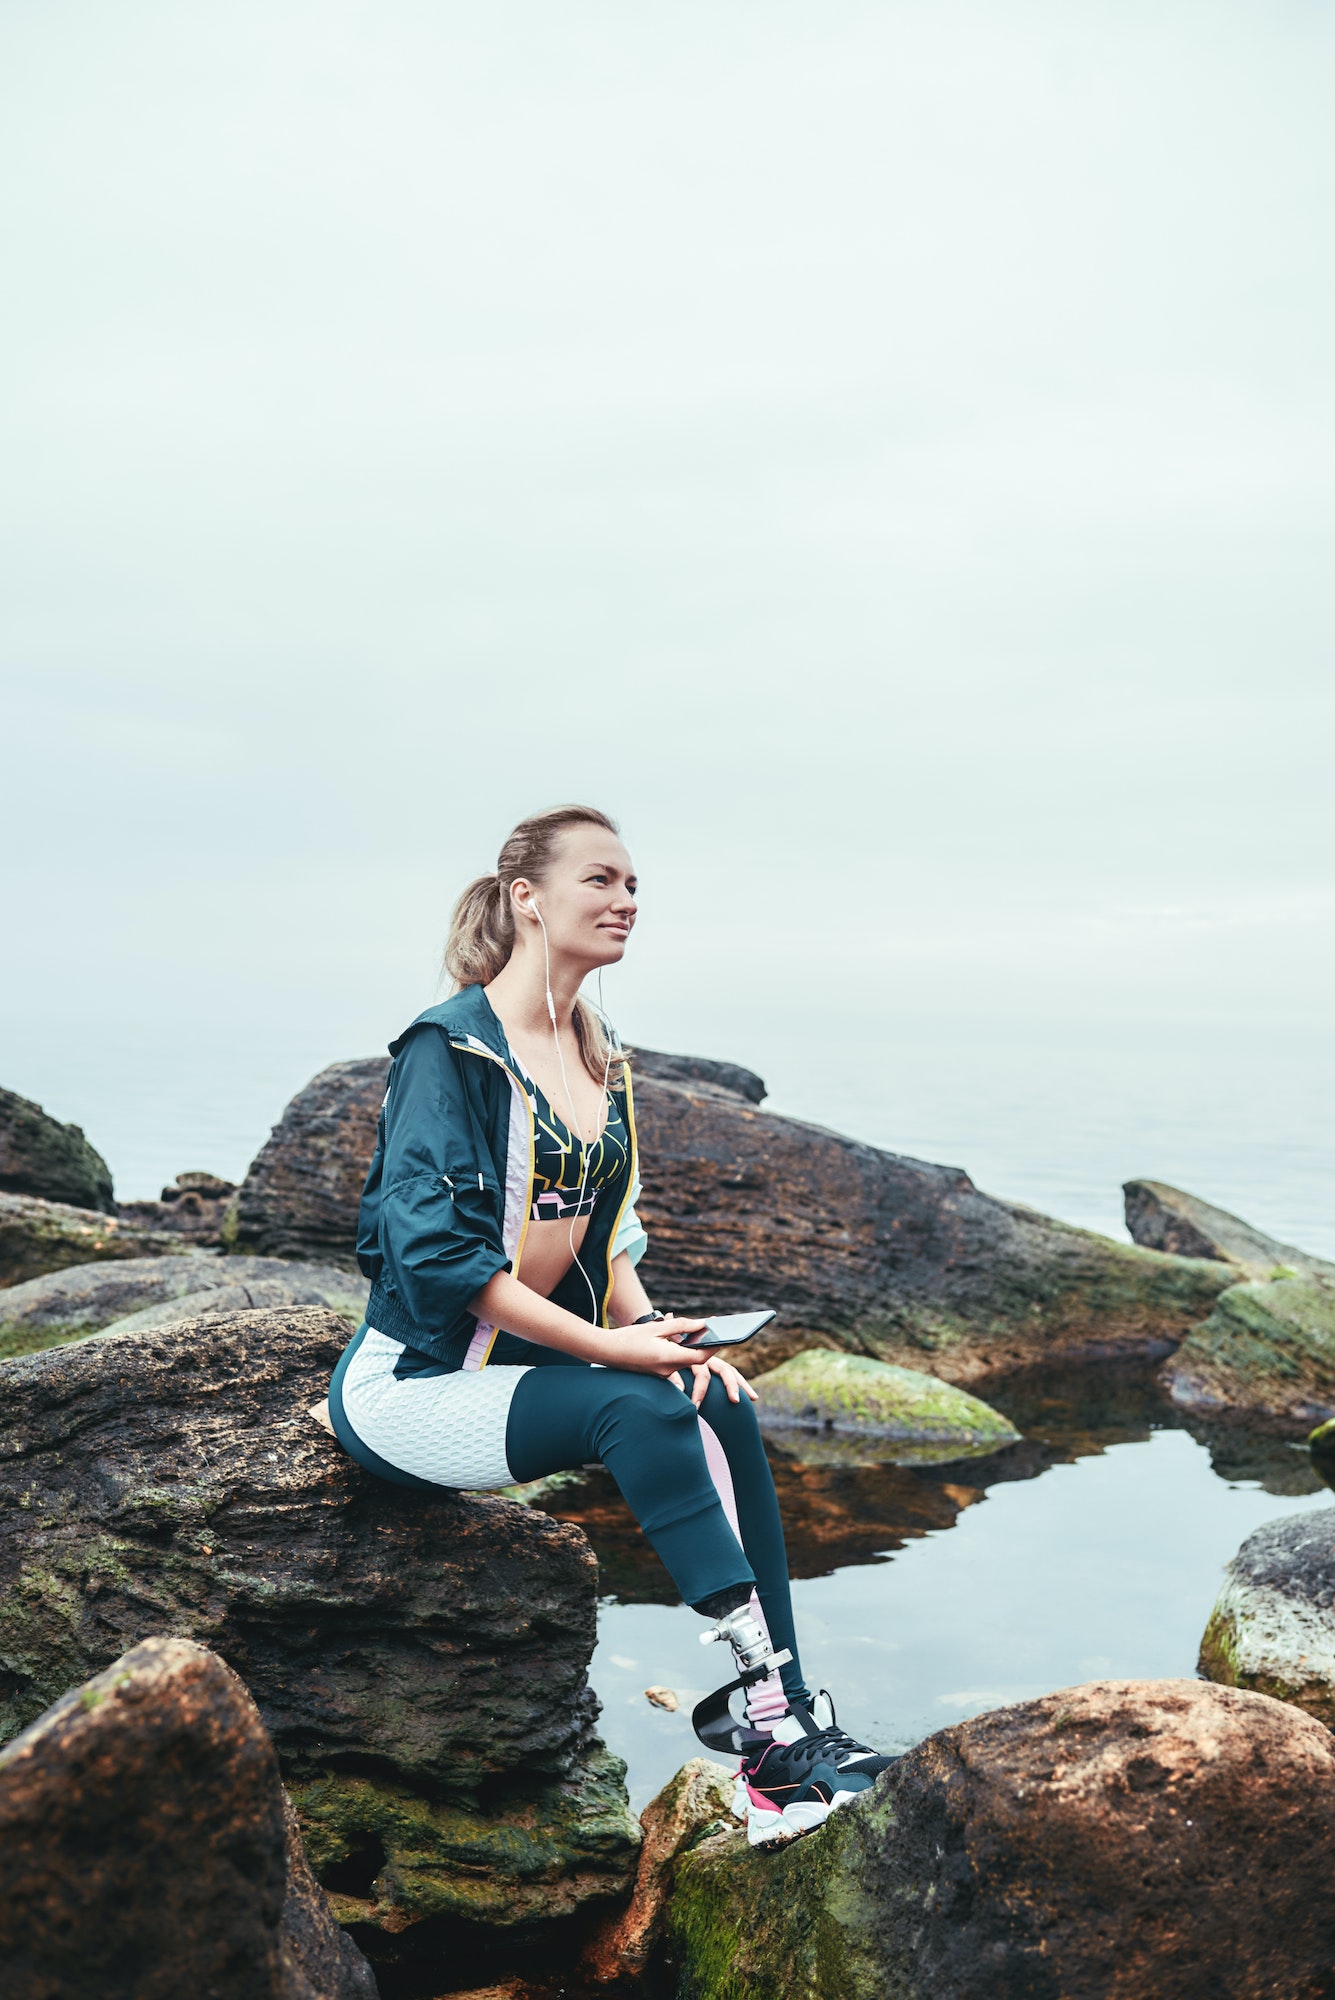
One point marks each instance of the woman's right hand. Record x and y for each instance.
(654, 1349)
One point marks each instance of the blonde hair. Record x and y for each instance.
(482, 923)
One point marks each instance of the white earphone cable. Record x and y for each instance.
(576, 1127)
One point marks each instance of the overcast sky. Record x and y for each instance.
(883, 452)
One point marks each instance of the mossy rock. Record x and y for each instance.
(392, 1857)
(1267, 1349)
(840, 1406)
(1273, 1626)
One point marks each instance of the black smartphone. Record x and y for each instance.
(728, 1330)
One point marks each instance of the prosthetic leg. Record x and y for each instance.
(712, 1719)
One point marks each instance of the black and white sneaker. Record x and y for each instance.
(808, 1770)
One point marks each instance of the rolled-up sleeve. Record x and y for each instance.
(631, 1235)
(440, 1229)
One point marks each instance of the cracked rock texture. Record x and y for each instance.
(1273, 1626)
(150, 1852)
(1148, 1840)
(418, 1659)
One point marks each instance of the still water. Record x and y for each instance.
(925, 1595)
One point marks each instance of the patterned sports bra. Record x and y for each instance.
(560, 1165)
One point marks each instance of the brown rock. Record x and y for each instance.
(40, 1236)
(882, 1254)
(692, 1803)
(1152, 1840)
(419, 1659)
(301, 1195)
(1166, 1218)
(857, 1248)
(149, 1852)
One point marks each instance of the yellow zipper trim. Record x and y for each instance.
(630, 1182)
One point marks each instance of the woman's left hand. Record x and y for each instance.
(736, 1384)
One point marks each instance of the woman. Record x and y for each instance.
(507, 1335)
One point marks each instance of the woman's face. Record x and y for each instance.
(587, 896)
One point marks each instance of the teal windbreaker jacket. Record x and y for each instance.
(450, 1190)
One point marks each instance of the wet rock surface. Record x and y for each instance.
(1266, 1352)
(1273, 1626)
(40, 1156)
(826, 1407)
(429, 1648)
(1160, 1217)
(149, 1851)
(39, 1236)
(86, 1298)
(1151, 1839)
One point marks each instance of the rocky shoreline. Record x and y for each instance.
(404, 1677)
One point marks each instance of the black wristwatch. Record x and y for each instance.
(645, 1318)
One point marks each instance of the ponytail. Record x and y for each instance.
(482, 933)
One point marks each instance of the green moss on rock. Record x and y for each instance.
(1268, 1347)
(501, 1862)
(850, 1399)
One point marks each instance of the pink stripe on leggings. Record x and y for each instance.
(766, 1701)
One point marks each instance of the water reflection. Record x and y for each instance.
(1098, 1552)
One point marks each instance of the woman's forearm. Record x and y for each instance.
(505, 1302)
(629, 1300)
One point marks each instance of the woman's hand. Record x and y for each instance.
(732, 1379)
(654, 1349)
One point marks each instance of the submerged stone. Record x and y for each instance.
(1273, 1626)
(828, 1408)
(1153, 1839)
(1266, 1350)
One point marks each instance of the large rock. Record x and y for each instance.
(1157, 1840)
(1273, 1626)
(39, 1236)
(40, 1156)
(857, 1248)
(1266, 1352)
(845, 1408)
(149, 1851)
(1160, 1217)
(66, 1305)
(301, 1195)
(882, 1254)
(417, 1658)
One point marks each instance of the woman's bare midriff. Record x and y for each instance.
(546, 1257)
